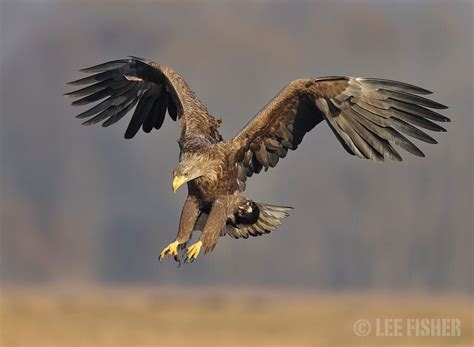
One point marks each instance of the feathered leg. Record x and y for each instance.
(211, 232)
(189, 215)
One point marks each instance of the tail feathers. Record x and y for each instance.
(270, 217)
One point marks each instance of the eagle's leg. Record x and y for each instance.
(188, 218)
(212, 230)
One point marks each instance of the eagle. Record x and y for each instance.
(369, 117)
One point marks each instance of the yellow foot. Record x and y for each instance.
(171, 249)
(193, 252)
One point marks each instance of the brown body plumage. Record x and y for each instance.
(366, 115)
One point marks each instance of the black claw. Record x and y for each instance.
(188, 260)
(163, 256)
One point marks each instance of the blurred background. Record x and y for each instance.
(83, 208)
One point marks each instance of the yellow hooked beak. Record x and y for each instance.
(177, 182)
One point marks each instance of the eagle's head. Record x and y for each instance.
(187, 170)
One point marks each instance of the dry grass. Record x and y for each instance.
(158, 317)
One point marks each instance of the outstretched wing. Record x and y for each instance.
(367, 115)
(153, 88)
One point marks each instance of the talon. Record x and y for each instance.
(171, 249)
(193, 252)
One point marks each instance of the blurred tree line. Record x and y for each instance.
(84, 205)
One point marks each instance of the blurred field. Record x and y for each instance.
(215, 317)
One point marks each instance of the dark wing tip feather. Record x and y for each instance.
(418, 153)
(380, 82)
(446, 120)
(110, 65)
(98, 77)
(411, 98)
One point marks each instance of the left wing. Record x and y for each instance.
(367, 115)
(153, 88)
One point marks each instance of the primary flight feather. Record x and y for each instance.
(368, 116)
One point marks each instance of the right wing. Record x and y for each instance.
(152, 87)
